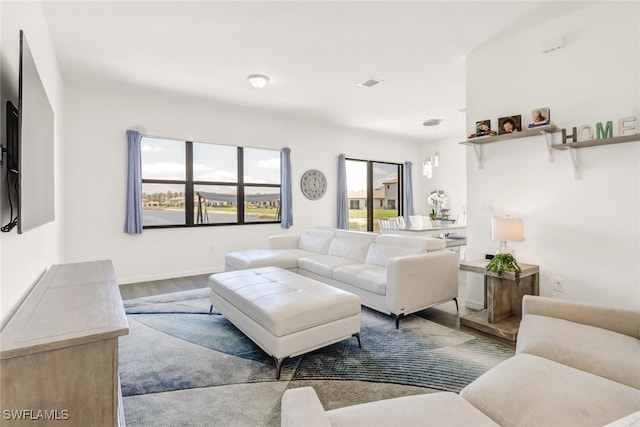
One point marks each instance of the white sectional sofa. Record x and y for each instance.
(575, 365)
(396, 275)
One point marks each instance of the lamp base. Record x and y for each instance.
(505, 249)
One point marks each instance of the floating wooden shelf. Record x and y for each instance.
(572, 146)
(522, 134)
(546, 131)
(597, 142)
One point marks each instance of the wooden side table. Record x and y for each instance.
(504, 299)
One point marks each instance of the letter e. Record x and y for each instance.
(623, 127)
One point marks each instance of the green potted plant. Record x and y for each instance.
(504, 262)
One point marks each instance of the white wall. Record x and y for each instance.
(24, 258)
(586, 231)
(97, 117)
(450, 176)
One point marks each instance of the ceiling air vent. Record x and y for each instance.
(370, 83)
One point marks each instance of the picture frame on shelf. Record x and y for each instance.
(540, 117)
(509, 124)
(483, 128)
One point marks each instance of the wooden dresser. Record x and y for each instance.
(59, 352)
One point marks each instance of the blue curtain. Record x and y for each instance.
(286, 213)
(343, 202)
(407, 200)
(133, 218)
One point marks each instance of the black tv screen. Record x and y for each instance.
(36, 201)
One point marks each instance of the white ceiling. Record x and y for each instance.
(315, 53)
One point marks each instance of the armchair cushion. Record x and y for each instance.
(531, 390)
(302, 408)
(432, 409)
(599, 351)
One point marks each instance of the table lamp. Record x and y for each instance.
(507, 230)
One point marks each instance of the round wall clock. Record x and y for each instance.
(313, 184)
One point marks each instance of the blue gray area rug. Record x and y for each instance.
(181, 366)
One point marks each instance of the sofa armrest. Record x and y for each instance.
(614, 319)
(301, 407)
(415, 282)
(284, 241)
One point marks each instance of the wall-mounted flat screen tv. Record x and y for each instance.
(36, 201)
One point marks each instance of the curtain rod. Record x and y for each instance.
(205, 142)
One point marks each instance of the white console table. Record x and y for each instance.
(59, 352)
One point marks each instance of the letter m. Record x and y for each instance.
(606, 133)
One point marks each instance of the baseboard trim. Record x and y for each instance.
(474, 305)
(174, 275)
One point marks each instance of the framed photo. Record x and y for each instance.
(483, 126)
(509, 124)
(540, 116)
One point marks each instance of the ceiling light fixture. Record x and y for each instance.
(258, 81)
(431, 122)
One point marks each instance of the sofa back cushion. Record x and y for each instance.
(427, 243)
(352, 245)
(317, 240)
(390, 246)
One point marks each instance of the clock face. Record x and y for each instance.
(313, 184)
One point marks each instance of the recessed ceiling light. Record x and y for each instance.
(431, 122)
(370, 83)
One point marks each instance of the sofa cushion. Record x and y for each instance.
(323, 265)
(534, 391)
(253, 258)
(317, 240)
(428, 243)
(433, 409)
(370, 277)
(352, 245)
(596, 350)
(379, 253)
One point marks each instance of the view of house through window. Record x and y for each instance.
(374, 191)
(188, 183)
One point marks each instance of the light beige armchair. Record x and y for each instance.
(575, 365)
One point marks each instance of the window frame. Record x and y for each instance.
(190, 184)
(370, 189)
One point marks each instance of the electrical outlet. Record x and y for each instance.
(557, 284)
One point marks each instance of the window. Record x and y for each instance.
(374, 191)
(188, 183)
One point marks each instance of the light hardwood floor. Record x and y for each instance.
(444, 314)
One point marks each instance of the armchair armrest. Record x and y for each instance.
(415, 282)
(614, 319)
(284, 241)
(301, 407)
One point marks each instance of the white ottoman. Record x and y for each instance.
(284, 313)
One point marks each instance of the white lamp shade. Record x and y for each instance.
(258, 80)
(507, 229)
